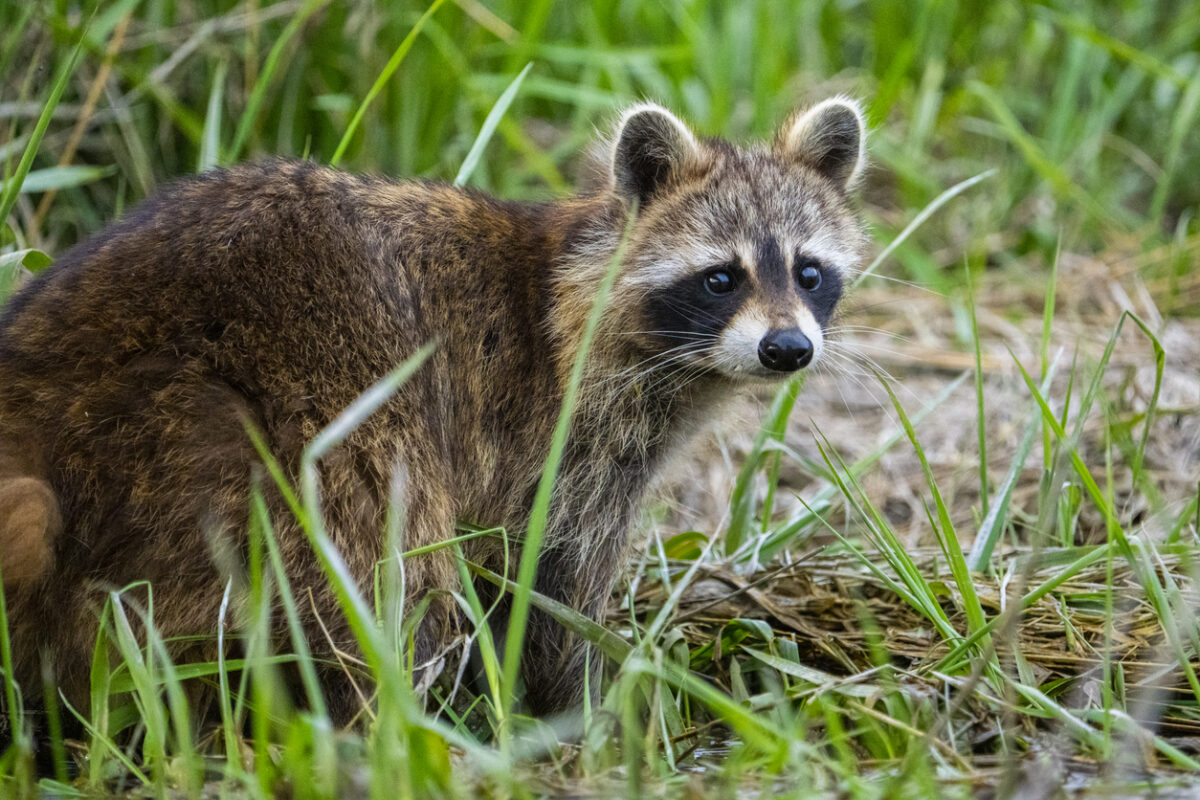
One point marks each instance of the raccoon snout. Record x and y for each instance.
(785, 351)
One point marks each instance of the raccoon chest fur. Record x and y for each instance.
(267, 297)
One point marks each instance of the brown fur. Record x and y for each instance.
(274, 294)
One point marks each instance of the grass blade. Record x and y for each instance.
(996, 516)
(358, 612)
(388, 70)
(980, 416)
(210, 142)
(919, 220)
(258, 94)
(489, 127)
(12, 186)
(741, 499)
(947, 536)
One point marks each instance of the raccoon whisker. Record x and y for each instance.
(860, 347)
(823, 369)
(653, 363)
(854, 362)
(688, 346)
(834, 330)
(842, 357)
(694, 311)
(871, 390)
(865, 330)
(867, 388)
(859, 388)
(876, 305)
(849, 371)
(721, 362)
(690, 378)
(848, 367)
(838, 364)
(688, 371)
(659, 375)
(860, 360)
(675, 348)
(697, 356)
(664, 357)
(893, 279)
(861, 344)
(871, 363)
(841, 326)
(685, 376)
(669, 378)
(837, 347)
(676, 334)
(659, 364)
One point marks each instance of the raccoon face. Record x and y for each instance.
(738, 256)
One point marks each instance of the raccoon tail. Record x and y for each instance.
(30, 521)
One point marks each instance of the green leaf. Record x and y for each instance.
(823, 680)
(996, 516)
(947, 536)
(685, 546)
(11, 265)
(919, 220)
(54, 178)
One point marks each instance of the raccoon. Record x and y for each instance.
(272, 294)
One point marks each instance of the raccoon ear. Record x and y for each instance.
(829, 138)
(652, 146)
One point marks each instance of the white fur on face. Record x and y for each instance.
(807, 324)
(681, 262)
(736, 352)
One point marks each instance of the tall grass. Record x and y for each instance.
(1090, 120)
(1005, 135)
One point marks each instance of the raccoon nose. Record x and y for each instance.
(786, 351)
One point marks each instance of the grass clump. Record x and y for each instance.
(906, 588)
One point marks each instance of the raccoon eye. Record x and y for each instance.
(719, 281)
(809, 277)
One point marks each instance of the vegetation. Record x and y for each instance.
(976, 573)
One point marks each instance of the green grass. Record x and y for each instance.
(1010, 141)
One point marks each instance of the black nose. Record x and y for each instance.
(786, 351)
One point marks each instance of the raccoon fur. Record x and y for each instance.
(272, 294)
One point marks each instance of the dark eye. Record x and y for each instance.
(809, 277)
(719, 281)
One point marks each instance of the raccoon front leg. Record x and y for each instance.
(557, 664)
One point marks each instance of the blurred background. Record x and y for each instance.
(1087, 109)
